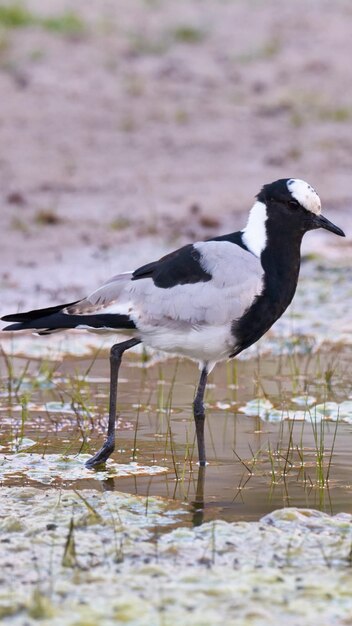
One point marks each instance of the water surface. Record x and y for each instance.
(278, 430)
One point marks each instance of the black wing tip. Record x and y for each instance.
(10, 318)
(17, 326)
(36, 314)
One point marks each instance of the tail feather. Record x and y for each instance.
(54, 318)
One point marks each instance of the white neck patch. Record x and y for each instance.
(254, 235)
(305, 195)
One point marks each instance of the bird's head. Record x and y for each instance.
(287, 206)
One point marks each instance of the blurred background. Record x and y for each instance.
(130, 127)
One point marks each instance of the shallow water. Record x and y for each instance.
(278, 431)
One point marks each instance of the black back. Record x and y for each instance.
(177, 268)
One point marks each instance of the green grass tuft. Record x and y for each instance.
(340, 114)
(188, 34)
(68, 23)
(16, 15)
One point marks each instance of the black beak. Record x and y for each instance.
(321, 222)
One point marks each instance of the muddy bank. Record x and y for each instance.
(157, 123)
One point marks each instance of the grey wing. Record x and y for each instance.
(236, 278)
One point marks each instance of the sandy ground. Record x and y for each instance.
(147, 124)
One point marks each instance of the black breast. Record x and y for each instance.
(281, 272)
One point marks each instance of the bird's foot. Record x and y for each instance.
(102, 455)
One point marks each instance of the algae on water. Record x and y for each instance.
(292, 565)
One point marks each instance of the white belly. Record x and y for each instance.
(203, 344)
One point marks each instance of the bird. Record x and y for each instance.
(207, 300)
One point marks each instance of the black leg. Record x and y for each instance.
(198, 504)
(199, 415)
(108, 447)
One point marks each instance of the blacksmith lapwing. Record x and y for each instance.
(207, 301)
